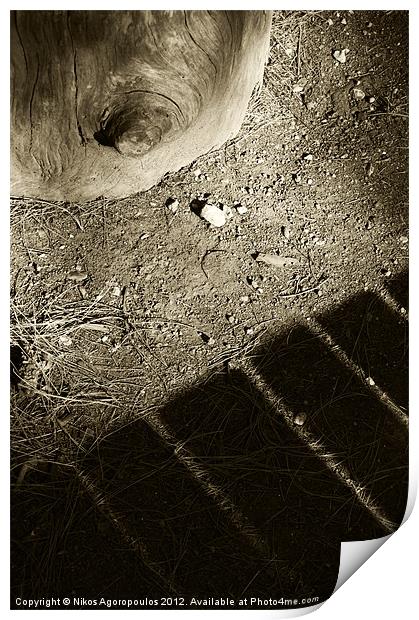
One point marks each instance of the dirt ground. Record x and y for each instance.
(138, 309)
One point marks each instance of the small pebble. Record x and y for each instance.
(77, 275)
(358, 93)
(65, 340)
(241, 209)
(300, 419)
(340, 55)
(173, 205)
(297, 88)
(285, 231)
(213, 215)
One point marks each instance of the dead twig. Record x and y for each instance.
(203, 259)
(300, 31)
(305, 291)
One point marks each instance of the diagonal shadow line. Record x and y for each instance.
(339, 472)
(375, 338)
(184, 530)
(400, 413)
(60, 542)
(226, 459)
(339, 406)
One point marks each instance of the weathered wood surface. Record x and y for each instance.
(104, 103)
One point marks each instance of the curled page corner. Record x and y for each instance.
(273, 614)
(303, 611)
(411, 496)
(354, 554)
(292, 613)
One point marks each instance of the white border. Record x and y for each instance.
(386, 587)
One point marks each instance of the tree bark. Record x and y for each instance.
(104, 103)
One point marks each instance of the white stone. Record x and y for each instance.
(173, 205)
(65, 340)
(298, 88)
(358, 93)
(300, 418)
(340, 55)
(213, 215)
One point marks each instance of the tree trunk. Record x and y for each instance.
(104, 103)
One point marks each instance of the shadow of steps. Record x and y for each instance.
(244, 485)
